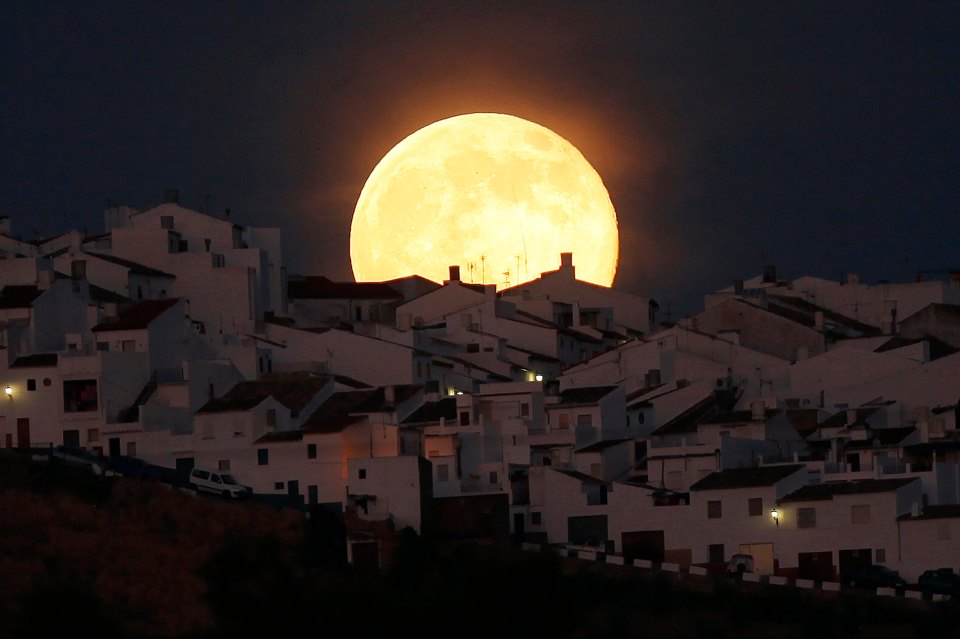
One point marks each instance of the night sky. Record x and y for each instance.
(816, 137)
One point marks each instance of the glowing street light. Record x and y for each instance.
(8, 390)
(539, 377)
(776, 516)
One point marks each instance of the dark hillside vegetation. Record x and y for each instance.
(112, 558)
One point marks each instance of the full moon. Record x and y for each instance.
(497, 195)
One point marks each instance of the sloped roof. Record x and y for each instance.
(825, 491)
(446, 408)
(601, 445)
(38, 360)
(803, 311)
(839, 419)
(134, 267)
(320, 287)
(294, 393)
(280, 436)
(19, 295)
(137, 316)
(584, 395)
(686, 422)
(746, 477)
(938, 348)
(582, 478)
(736, 416)
(348, 407)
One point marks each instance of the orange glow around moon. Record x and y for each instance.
(497, 195)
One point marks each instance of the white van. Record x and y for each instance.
(213, 481)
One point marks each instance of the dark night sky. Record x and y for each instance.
(818, 137)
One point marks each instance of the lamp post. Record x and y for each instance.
(9, 391)
(776, 516)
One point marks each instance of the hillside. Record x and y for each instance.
(83, 556)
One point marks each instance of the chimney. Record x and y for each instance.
(738, 287)
(454, 273)
(818, 320)
(5, 226)
(770, 274)
(171, 196)
(78, 270)
(566, 264)
(44, 279)
(652, 378)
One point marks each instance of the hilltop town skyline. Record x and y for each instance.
(730, 136)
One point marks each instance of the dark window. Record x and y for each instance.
(755, 506)
(714, 509)
(493, 476)
(278, 485)
(465, 418)
(806, 517)
(223, 464)
(362, 473)
(263, 456)
(473, 348)
(536, 519)
(313, 493)
(103, 346)
(524, 409)
(716, 553)
(80, 396)
(359, 310)
(31, 384)
(881, 555)
(311, 451)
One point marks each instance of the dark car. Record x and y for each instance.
(942, 581)
(874, 576)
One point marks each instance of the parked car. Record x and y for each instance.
(941, 581)
(874, 576)
(212, 481)
(740, 563)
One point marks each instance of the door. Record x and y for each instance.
(114, 447)
(587, 528)
(518, 526)
(643, 544)
(71, 438)
(851, 560)
(314, 495)
(184, 466)
(23, 432)
(762, 557)
(293, 492)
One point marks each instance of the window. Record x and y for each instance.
(128, 345)
(524, 409)
(473, 347)
(714, 509)
(223, 464)
(493, 476)
(715, 554)
(806, 517)
(359, 313)
(139, 292)
(103, 346)
(755, 506)
(443, 472)
(860, 514)
(596, 470)
(80, 396)
(311, 451)
(881, 555)
(585, 420)
(278, 485)
(464, 418)
(93, 435)
(272, 417)
(131, 449)
(263, 456)
(166, 221)
(31, 384)
(564, 421)
(362, 473)
(536, 518)
(313, 493)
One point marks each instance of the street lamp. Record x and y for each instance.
(9, 391)
(776, 516)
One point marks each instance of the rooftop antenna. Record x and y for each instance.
(483, 269)
(506, 278)
(523, 237)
